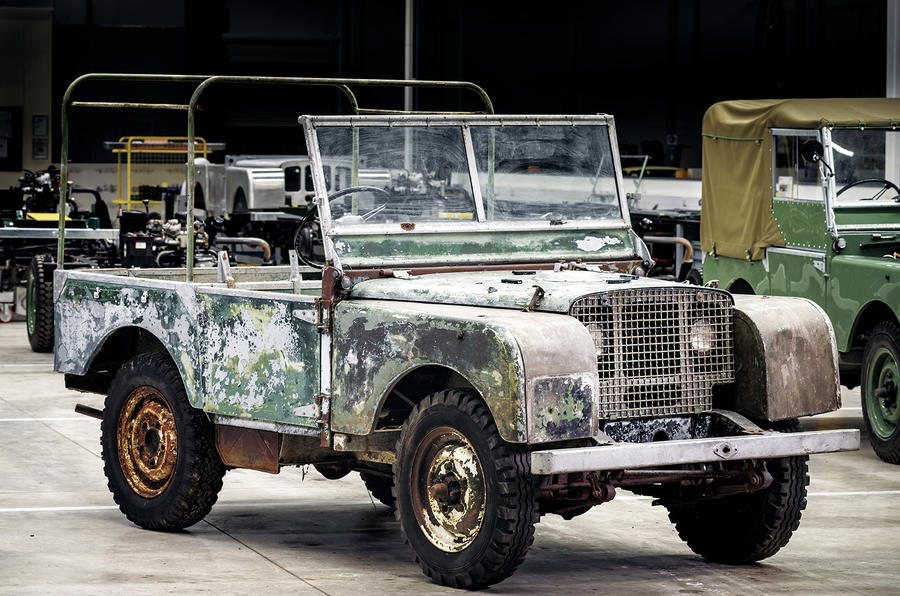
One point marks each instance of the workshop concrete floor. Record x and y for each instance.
(60, 531)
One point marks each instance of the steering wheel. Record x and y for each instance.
(886, 184)
(304, 236)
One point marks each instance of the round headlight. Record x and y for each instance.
(703, 336)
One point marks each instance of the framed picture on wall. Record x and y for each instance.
(40, 125)
(39, 148)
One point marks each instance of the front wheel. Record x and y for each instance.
(746, 528)
(465, 499)
(879, 388)
(159, 455)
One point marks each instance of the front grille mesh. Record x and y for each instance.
(645, 360)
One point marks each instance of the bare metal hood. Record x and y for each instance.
(501, 289)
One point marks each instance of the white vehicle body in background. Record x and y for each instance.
(253, 183)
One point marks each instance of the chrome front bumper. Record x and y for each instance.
(624, 456)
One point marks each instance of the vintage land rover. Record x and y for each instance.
(800, 198)
(481, 347)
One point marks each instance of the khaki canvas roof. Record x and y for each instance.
(736, 212)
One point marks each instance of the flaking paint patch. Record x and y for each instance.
(237, 356)
(593, 243)
(563, 407)
(262, 361)
(88, 312)
(375, 344)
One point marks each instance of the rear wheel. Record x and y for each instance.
(879, 388)
(159, 454)
(745, 528)
(39, 306)
(381, 487)
(465, 498)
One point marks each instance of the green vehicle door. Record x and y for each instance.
(260, 355)
(800, 267)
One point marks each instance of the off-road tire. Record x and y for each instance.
(510, 511)
(194, 485)
(39, 306)
(884, 435)
(742, 529)
(381, 487)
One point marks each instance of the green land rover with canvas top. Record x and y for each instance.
(801, 198)
(480, 347)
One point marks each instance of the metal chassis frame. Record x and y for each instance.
(311, 123)
(203, 82)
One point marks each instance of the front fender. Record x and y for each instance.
(537, 372)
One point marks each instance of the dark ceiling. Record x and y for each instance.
(655, 65)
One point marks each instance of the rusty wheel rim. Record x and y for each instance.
(447, 490)
(147, 441)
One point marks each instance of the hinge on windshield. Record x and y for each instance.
(323, 315)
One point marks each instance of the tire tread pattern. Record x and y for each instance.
(198, 476)
(886, 449)
(743, 529)
(42, 338)
(517, 509)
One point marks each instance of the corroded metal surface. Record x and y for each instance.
(447, 489)
(506, 289)
(377, 342)
(240, 353)
(147, 442)
(786, 359)
(474, 246)
(260, 358)
(91, 307)
(249, 448)
(563, 407)
(501, 352)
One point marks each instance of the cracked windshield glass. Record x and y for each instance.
(413, 174)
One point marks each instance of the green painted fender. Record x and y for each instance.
(537, 372)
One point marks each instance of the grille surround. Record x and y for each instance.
(645, 361)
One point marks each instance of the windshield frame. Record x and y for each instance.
(831, 201)
(465, 123)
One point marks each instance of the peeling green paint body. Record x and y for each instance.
(404, 248)
(87, 312)
(259, 360)
(502, 289)
(377, 342)
(239, 355)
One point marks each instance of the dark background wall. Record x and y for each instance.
(654, 64)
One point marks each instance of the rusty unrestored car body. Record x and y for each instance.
(482, 347)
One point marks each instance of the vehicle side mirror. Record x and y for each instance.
(812, 151)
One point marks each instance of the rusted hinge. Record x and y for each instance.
(323, 315)
(323, 419)
(536, 299)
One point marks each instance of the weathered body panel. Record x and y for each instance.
(259, 356)
(785, 357)
(240, 353)
(504, 354)
(504, 289)
(90, 307)
(396, 245)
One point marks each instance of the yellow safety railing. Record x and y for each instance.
(148, 166)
